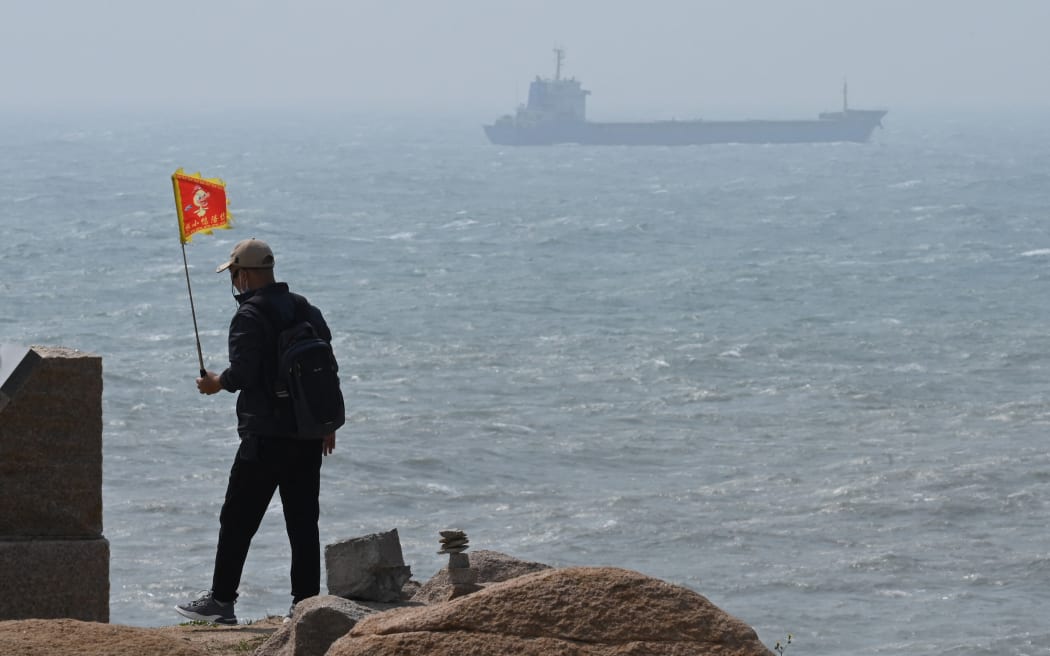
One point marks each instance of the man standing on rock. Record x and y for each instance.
(271, 455)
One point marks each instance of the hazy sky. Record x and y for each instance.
(662, 57)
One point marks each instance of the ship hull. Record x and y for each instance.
(852, 125)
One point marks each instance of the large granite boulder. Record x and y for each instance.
(491, 567)
(316, 623)
(564, 612)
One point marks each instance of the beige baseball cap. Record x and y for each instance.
(249, 254)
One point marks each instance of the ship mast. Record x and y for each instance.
(559, 57)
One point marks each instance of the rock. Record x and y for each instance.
(54, 578)
(494, 566)
(409, 589)
(453, 550)
(491, 567)
(462, 575)
(316, 624)
(453, 541)
(78, 638)
(51, 489)
(462, 590)
(577, 611)
(51, 446)
(370, 568)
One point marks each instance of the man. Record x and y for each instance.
(270, 456)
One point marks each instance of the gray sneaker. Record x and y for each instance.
(208, 609)
(288, 615)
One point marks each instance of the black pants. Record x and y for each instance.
(265, 464)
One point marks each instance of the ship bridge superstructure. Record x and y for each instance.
(557, 98)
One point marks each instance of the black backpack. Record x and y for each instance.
(307, 375)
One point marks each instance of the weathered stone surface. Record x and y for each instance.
(577, 611)
(46, 578)
(316, 624)
(462, 590)
(491, 567)
(368, 568)
(77, 638)
(460, 575)
(409, 590)
(51, 446)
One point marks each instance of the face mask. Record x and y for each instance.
(233, 285)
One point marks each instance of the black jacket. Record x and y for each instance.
(253, 360)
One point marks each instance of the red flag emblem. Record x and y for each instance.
(201, 204)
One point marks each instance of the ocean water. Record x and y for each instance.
(810, 382)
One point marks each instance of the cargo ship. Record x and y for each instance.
(556, 113)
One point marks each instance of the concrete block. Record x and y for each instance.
(51, 446)
(47, 579)
(370, 568)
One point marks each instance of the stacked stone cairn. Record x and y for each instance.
(461, 575)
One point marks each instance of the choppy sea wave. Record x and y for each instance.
(807, 381)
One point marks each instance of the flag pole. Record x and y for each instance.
(193, 311)
(198, 191)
